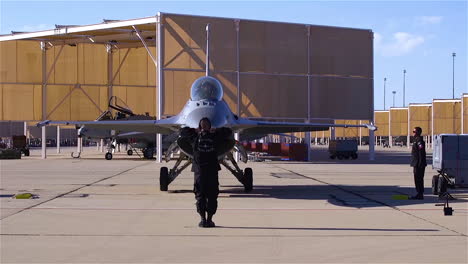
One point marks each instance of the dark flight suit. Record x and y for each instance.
(418, 162)
(206, 166)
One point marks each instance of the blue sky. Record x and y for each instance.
(418, 36)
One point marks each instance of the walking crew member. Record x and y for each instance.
(418, 162)
(205, 167)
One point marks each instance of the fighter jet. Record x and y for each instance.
(137, 141)
(206, 100)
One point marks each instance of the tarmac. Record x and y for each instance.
(90, 210)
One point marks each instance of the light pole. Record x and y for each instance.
(404, 80)
(384, 81)
(453, 75)
(393, 92)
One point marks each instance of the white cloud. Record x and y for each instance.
(38, 27)
(428, 20)
(401, 43)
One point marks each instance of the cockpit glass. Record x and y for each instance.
(206, 88)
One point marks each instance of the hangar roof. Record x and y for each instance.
(121, 33)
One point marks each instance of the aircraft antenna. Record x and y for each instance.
(208, 49)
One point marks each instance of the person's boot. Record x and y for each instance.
(203, 220)
(209, 221)
(418, 196)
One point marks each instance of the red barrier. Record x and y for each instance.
(273, 149)
(247, 146)
(294, 151)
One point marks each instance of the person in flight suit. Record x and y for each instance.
(418, 162)
(205, 167)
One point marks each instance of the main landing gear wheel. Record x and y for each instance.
(129, 152)
(108, 156)
(248, 179)
(164, 179)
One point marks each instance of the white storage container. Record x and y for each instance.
(450, 156)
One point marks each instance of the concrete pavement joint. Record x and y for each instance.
(74, 190)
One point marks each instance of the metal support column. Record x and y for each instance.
(332, 133)
(238, 66)
(43, 143)
(409, 129)
(101, 145)
(110, 72)
(58, 139)
(44, 98)
(79, 143)
(463, 114)
(432, 123)
(307, 135)
(236, 135)
(371, 144)
(390, 139)
(160, 75)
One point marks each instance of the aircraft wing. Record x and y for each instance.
(252, 127)
(163, 126)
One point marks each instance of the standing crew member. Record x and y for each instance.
(418, 162)
(205, 167)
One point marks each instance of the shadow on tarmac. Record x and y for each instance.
(342, 195)
(321, 156)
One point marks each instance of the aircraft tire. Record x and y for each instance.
(129, 152)
(164, 179)
(435, 183)
(108, 156)
(332, 157)
(354, 156)
(248, 182)
(340, 156)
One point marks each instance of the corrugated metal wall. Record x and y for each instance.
(270, 68)
(398, 122)
(77, 87)
(465, 113)
(447, 117)
(421, 116)
(381, 119)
